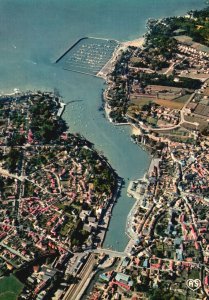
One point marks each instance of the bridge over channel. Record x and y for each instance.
(111, 253)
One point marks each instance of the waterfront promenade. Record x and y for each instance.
(134, 190)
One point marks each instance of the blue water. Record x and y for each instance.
(34, 33)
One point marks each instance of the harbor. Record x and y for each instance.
(88, 55)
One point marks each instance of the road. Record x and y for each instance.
(14, 252)
(182, 120)
(170, 69)
(22, 178)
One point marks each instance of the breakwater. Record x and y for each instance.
(68, 50)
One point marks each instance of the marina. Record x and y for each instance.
(88, 55)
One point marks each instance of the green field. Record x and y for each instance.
(10, 287)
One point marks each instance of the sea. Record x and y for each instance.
(34, 33)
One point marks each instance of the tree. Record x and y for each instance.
(159, 294)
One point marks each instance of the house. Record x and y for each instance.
(179, 254)
(87, 227)
(177, 241)
(206, 281)
(104, 277)
(123, 281)
(145, 263)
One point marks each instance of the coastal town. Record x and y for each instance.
(57, 192)
(161, 89)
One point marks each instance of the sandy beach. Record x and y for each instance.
(135, 131)
(136, 43)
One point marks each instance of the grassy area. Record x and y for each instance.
(206, 91)
(183, 99)
(169, 104)
(202, 123)
(141, 101)
(152, 121)
(8, 296)
(10, 287)
(179, 132)
(173, 104)
(194, 274)
(135, 59)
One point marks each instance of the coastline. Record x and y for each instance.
(42, 48)
(144, 215)
(108, 213)
(118, 181)
(134, 43)
(137, 199)
(134, 129)
(106, 69)
(115, 185)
